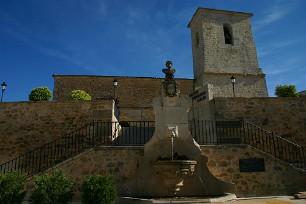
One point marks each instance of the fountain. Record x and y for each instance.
(175, 169)
(172, 165)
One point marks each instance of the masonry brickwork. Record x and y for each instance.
(132, 92)
(278, 178)
(27, 125)
(223, 162)
(215, 61)
(284, 116)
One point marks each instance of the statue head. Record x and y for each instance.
(168, 64)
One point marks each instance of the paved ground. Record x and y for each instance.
(255, 200)
(268, 200)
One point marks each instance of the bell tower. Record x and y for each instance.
(222, 47)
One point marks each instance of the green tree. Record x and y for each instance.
(12, 187)
(79, 95)
(56, 188)
(99, 189)
(40, 94)
(286, 91)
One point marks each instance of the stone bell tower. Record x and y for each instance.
(222, 47)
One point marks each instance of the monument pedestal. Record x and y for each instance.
(172, 138)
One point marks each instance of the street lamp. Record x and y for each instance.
(115, 83)
(233, 80)
(3, 89)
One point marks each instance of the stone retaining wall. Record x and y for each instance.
(284, 116)
(27, 125)
(223, 162)
(278, 178)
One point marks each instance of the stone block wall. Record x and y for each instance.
(223, 162)
(278, 178)
(122, 162)
(247, 86)
(27, 125)
(214, 61)
(284, 116)
(218, 57)
(134, 94)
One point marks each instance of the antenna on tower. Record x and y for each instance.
(214, 4)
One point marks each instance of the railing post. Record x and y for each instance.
(40, 155)
(274, 148)
(243, 131)
(304, 159)
(93, 133)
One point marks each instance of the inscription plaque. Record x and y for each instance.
(252, 165)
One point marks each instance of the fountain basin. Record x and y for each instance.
(174, 168)
(173, 173)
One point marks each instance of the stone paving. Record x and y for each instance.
(267, 200)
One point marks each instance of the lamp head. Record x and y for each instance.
(233, 79)
(3, 86)
(115, 82)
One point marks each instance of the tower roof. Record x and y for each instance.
(208, 10)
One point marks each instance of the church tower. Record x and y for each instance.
(222, 47)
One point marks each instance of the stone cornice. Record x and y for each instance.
(217, 11)
(234, 74)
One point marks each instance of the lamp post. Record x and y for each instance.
(233, 80)
(115, 83)
(3, 89)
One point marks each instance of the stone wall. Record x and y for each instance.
(223, 162)
(245, 86)
(26, 125)
(208, 40)
(284, 116)
(214, 61)
(278, 178)
(132, 91)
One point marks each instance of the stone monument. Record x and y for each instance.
(172, 165)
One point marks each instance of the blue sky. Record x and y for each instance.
(39, 38)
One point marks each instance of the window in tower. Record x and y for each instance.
(228, 37)
(197, 40)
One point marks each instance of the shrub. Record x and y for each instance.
(286, 91)
(12, 187)
(99, 189)
(40, 94)
(79, 95)
(55, 188)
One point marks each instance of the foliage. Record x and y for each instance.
(12, 187)
(55, 188)
(79, 95)
(40, 94)
(99, 189)
(286, 91)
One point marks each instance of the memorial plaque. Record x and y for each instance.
(201, 99)
(252, 165)
(193, 93)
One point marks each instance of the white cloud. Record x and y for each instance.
(275, 12)
(275, 47)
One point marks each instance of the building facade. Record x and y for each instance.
(222, 47)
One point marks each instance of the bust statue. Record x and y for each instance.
(169, 71)
(170, 86)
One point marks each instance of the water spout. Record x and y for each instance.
(173, 132)
(172, 148)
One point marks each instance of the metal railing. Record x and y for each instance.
(69, 145)
(134, 133)
(137, 133)
(243, 132)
